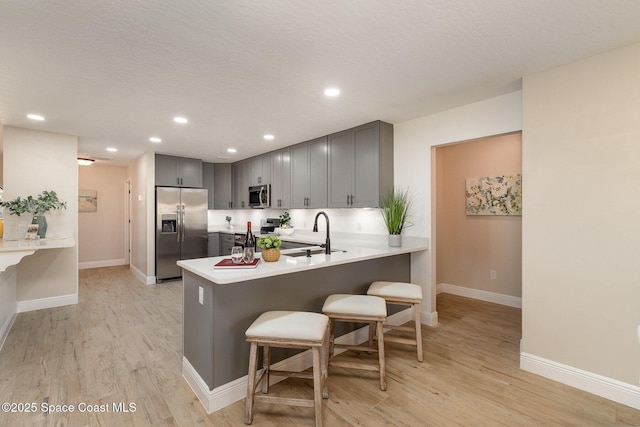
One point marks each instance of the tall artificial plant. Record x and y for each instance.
(395, 210)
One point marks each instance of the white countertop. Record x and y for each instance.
(19, 245)
(358, 248)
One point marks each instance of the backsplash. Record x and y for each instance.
(367, 221)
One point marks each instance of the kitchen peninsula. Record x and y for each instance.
(219, 305)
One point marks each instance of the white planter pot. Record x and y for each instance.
(395, 240)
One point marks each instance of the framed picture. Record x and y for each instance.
(32, 231)
(494, 195)
(87, 200)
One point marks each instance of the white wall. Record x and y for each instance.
(101, 233)
(35, 161)
(413, 141)
(142, 174)
(581, 233)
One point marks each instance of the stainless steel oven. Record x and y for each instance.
(260, 196)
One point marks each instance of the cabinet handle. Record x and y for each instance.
(347, 200)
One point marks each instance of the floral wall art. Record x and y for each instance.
(494, 195)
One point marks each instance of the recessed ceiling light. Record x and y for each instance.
(181, 120)
(35, 117)
(231, 150)
(268, 137)
(113, 150)
(155, 139)
(332, 91)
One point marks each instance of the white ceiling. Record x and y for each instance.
(115, 72)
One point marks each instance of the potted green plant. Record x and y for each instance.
(284, 225)
(228, 219)
(395, 212)
(45, 202)
(270, 245)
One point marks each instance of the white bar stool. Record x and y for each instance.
(288, 329)
(358, 309)
(403, 294)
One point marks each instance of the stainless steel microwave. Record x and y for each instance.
(260, 196)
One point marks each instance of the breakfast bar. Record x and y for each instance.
(219, 305)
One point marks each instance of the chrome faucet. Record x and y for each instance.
(327, 245)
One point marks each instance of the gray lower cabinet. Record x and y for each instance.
(309, 174)
(172, 171)
(214, 244)
(281, 179)
(360, 171)
(227, 241)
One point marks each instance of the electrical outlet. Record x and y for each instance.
(200, 295)
(22, 228)
(493, 275)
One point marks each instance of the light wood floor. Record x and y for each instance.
(122, 343)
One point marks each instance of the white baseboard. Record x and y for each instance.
(226, 394)
(147, 280)
(599, 385)
(6, 328)
(97, 264)
(50, 302)
(478, 294)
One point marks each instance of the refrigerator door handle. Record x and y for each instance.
(182, 222)
(179, 224)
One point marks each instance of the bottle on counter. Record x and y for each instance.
(249, 245)
(249, 240)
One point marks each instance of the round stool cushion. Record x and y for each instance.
(293, 325)
(362, 305)
(395, 290)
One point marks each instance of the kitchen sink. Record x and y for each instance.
(303, 252)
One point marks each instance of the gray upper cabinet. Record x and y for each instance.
(259, 170)
(208, 182)
(222, 188)
(309, 174)
(216, 177)
(360, 165)
(240, 186)
(174, 171)
(281, 179)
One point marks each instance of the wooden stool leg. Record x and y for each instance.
(317, 384)
(416, 311)
(380, 337)
(251, 383)
(372, 331)
(325, 365)
(332, 330)
(266, 365)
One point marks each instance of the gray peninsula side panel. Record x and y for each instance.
(214, 340)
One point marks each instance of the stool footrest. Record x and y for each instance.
(356, 347)
(307, 403)
(400, 340)
(292, 374)
(399, 328)
(354, 365)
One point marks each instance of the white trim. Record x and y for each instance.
(6, 328)
(147, 280)
(105, 263)
(481, 295)
(599, 385)
(50, 302)
(231, 392)
(429, 319)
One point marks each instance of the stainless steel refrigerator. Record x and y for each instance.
(181, 228)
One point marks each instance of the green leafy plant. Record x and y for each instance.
(284, 220)
(269, 242)
(395, 210)
(45, 202)
(228, 219)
